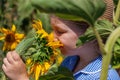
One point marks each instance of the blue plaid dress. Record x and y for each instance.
(91, 71)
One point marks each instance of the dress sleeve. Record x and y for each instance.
(70, 62)
(113, 75)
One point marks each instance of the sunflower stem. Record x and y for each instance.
(117, 13)
(108, 48)
(99, 39)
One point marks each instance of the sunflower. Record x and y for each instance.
(11, 38)
(44, 53)
(50, 37)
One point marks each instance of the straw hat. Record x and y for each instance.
(109, 10)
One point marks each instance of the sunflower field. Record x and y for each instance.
(25, 27)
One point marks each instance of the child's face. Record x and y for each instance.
(67, 32)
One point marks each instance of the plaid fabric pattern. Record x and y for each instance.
(92, 71)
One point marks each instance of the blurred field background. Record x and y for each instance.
(22, 13)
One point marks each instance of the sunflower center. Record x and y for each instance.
(10, 37)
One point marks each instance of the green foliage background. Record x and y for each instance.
(23, 12)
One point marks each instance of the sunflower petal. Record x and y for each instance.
(13, 46)
(37, 72)
(2, 37)
(13, 28)
(32, 69)
(59, 59)
(47, 65)
(28, 61)
(51, 37)
(5, 31)
(37, 25)
(19, 36)
(43, 70)
(55, 44)
(44, 34)
(6, 46)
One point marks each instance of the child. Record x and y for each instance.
(89, 65)
(87, 68)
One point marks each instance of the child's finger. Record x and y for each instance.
(15, 56)
(9, 57)
(5, 62)
(4, 67)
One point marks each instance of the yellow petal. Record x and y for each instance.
(59, 59)
(13, 45)
(43, 70)
(19, 36)
(37, 25)
(47, 65)
(44, 33)
(4, 46)
(7, 46)
(56, 44)
(2, 37)
(38, 70)
(31, 70)
(13, 28)
(3, 30)
(34, 26)
(18, 40)
(51, 37)
(28, 61)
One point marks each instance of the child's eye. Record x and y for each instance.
(59, 32)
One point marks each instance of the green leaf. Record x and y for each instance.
(90, 10)
(52, 70)
(60, 73)
(104, 28)
(24, 8)
(115, 62)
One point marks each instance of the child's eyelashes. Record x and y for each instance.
(59, 32)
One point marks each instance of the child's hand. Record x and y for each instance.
(14, 67)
